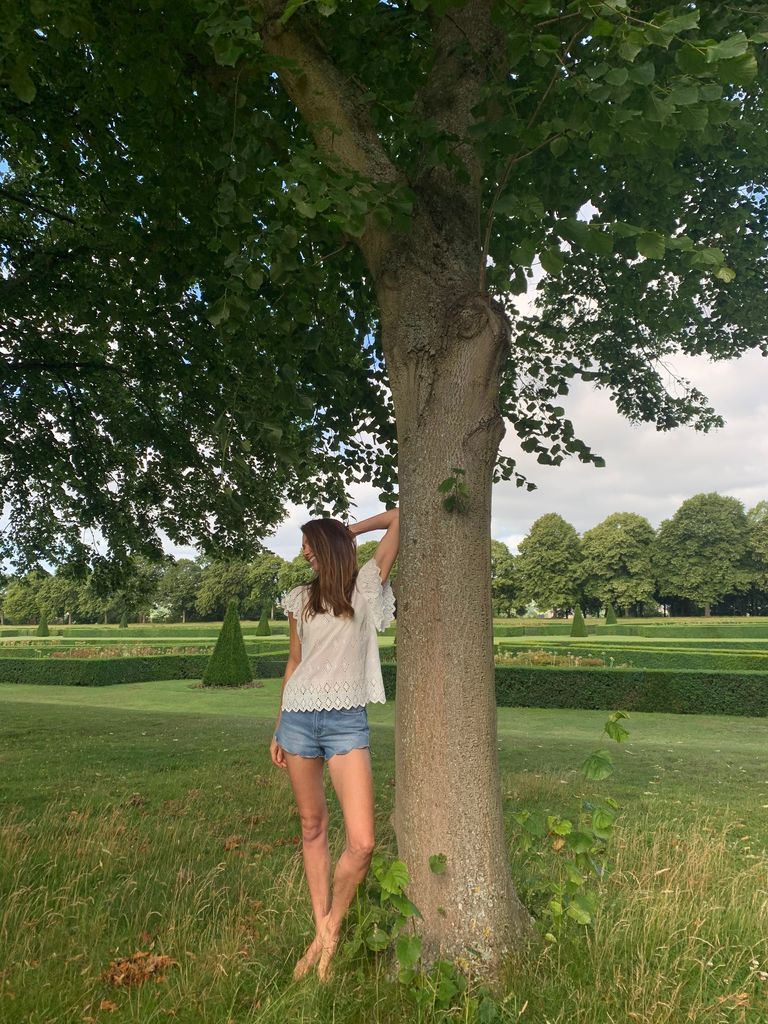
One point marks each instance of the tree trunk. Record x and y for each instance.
(707, 610)
(105, 618)
(183, 614)
(444, 355)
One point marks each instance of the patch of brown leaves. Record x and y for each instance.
(136, 969)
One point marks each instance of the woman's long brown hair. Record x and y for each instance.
(336, 552)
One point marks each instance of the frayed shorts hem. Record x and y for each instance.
(323, 733)
(327, 755)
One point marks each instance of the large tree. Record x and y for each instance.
(549, 564)
(701, 553)
(233, 229)
(757, 523)
(617, 562)
(177, 588)
(505, 584)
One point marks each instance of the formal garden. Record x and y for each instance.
(151, 856)
(257, 259)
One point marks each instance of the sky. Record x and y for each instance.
(646, 472)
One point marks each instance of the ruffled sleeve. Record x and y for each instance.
(294, 603)
(381, 599)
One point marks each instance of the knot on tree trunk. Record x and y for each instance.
(471, 316)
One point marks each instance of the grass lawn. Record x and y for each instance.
(149, 817)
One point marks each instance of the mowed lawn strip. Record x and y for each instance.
(148, 817)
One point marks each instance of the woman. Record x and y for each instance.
(333, 672)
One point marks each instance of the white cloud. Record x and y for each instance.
(647, 472)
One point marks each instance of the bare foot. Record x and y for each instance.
(309, 958)
(329, 938)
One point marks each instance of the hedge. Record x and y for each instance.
(679, 692)
(176, 630)
(686, 693)
(667, 629)
(109, 671)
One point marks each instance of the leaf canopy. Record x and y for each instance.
(190, 325)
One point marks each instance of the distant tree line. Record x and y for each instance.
(711, 557)
(172, 590)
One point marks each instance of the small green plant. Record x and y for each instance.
(42, 627)
(263, 627)
(581, 847)
(455, 490)
(382, 927)
(579, 627)
(610, 615)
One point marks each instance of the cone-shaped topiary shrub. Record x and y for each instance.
(610, 616)
(578, 628)
(42, 626)
(124, 620)
(263, 627)
(229, 665)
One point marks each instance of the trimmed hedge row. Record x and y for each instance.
(653, 657)
(724, 631)
(183, 632)
(681, 692)
(110, 671)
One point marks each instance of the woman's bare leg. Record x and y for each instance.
(306, 775)
(352, 779)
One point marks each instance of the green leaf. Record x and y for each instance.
(437, 863)
(404, 906)
(614, 728)
(651, 245)
(253, 277)
(524, 253)
(707, 259)
(617, 76)
(681, 23)
(21, 83)
(558, 146)
(559, 826)
(395, 878)
(305, 209)
(643, 74)
(602, 823)
(692, 59)
(447, 485)
(726, 274)
(218, 312)
(408, 950)
(578, 914)
(598, 765)
(579, 842)
(377, 939)
(684, 94)
(551, 261)
(739, 71)
(733, 46)
(602, 27)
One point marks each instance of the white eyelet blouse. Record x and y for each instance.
(340, 665)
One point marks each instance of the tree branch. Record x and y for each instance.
(328, 100)
(468, 48)
(23, 201)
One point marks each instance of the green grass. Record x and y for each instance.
(149, 817)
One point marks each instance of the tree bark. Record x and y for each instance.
(445, 347)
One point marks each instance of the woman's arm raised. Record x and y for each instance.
(386, 553)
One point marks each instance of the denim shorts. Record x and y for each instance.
(323, 733)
